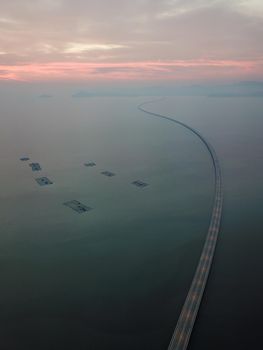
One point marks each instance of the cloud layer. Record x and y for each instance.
(122, 39)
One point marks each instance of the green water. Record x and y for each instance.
(116, 277)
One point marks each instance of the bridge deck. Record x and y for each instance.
(185, 323)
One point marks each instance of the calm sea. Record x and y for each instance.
(116, 277)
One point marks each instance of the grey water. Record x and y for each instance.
(116, 277)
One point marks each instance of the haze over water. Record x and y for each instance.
(109, 276)
(116, 277)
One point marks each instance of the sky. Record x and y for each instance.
(124, 40)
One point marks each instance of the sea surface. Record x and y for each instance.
(116, 277)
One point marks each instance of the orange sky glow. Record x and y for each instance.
(179, 69)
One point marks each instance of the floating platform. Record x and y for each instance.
(77, 206)
(24, 159)
(90, 164)
(43, 181)
(35, 166)
(139, 183)
(108, 173)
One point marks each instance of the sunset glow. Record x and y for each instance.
(130, 70)
(144, 40)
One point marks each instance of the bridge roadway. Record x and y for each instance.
(186, 321)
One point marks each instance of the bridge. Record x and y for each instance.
(186, 321)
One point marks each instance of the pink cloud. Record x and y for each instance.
(165, 70)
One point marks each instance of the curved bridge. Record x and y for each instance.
(185, 323)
